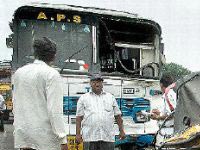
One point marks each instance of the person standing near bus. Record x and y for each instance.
(169, 105)
(96, 111)
(38, 102)
(2, 108)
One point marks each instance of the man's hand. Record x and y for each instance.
(78, 129)
(1, 112)
(64, 147)
(140, 113)
(154, 116)
(79, 138)
(122, 135)
(156, 111)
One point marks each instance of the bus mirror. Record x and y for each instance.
(162, 48)
(9, 42)
(11, 26)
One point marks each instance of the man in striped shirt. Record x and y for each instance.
(96, 112)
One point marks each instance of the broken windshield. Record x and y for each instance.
(69, 37)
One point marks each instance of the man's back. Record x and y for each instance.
(32, 104)
(30, 84)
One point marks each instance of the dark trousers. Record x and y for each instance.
(98, 145)
(26, 149)
(1, 122)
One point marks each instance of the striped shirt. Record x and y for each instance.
(98, 113)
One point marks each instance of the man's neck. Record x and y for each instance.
(97, 92)
(48, 63)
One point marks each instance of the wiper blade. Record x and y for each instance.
(77, 52)
(70, 57)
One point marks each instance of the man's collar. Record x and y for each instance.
(102, 92)
(36, 61)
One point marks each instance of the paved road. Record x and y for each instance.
(6, 138)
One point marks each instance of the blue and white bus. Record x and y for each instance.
(125, 48)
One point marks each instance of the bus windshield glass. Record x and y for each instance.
(69, 37)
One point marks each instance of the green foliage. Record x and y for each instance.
(175, 70)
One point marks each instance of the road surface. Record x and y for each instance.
(6, 138)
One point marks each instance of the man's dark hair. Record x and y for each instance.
(44, 49)
(166, 80)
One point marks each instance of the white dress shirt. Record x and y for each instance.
(168, 128)
(98, 113)
(166, 109)
(38, 107)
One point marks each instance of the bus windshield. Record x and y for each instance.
(69, 37)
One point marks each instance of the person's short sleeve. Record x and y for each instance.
(116, 107)
(172, 98)
(80, 107)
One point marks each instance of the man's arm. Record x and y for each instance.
(78, 129)
(118, 118)
(79, 118)
(158, 117)
(119, 121)
(54, 95)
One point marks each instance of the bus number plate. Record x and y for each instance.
(129, 91)
(72, 145)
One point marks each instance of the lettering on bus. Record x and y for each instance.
(59, 17)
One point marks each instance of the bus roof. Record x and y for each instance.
(85, 9)
(93, 10)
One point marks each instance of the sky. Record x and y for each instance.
(179, 20)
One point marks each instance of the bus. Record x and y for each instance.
(126, 49)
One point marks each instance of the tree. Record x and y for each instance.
(175, 70)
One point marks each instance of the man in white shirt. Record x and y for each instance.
(2, 107)
(169, 105)
(38, 102)
(96, 112)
